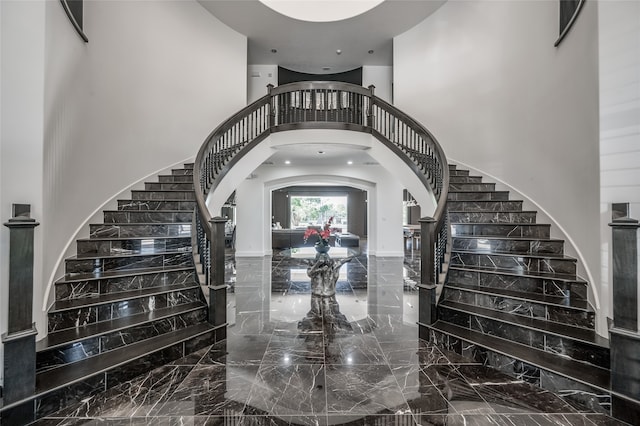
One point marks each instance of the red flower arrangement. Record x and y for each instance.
(323, 236)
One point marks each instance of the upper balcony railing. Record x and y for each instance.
(324, 105)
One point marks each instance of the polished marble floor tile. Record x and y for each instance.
(291, 358)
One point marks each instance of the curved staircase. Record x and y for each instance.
(130, 300)
(512, 299)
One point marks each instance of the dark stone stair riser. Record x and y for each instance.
(175, 178)
(514, 262)
(539, 285)
(182, 172)
(465, 179)
(459, 172)
(492, 217)
(537, 339)
(506, 245)
(125, 263)
(132, 246)
(184, 205)
(502, 230)
(579, 395)
(526, 308)
(125, 230)
(471, 186)
(134, 216)
(162, 195)
(95, 345)
(164, 186)
(478, 196)
(502, 206)
(81, 316)
(88, 288)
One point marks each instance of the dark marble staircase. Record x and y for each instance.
(512, 299)
(130, 300)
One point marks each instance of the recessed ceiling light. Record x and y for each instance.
(338, 52)
(371, 52)
(287, 162)
(320, 152)
(326, 68)
(349, 162)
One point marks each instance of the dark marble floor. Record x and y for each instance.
(351, 359)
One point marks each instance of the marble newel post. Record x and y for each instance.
(20, 339)
(427, 286)
(623, 334)
(217, 287)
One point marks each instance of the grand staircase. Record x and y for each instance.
(512, 299)
(130, 300)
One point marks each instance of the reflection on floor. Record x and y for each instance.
(350, 359)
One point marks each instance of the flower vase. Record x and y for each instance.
(322, 247)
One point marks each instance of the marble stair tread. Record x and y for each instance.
(92, 300)
(59, 377)
(63, 337)
(525, 274)
(576, 370)
(532, 255)
(580, 334)
(146, 237)
(125, 255)
(564, 302)
(91, 276)
(145, 211)
(504, 237)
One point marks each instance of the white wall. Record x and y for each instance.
(260, 75)
(382, 78)
(485, 78)
(619, 47)
(22, 37)
(90, 119)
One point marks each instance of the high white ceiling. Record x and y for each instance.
(311, 46)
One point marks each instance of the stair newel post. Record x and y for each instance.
(217, 287)
(427, 286)
(623, 333)
(372, 89)
(272, 109)
(20, 340)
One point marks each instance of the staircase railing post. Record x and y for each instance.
(20, 339)
(427, 286)
(217, 287)
(372, 89)
(623, 334)
(272, 109)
